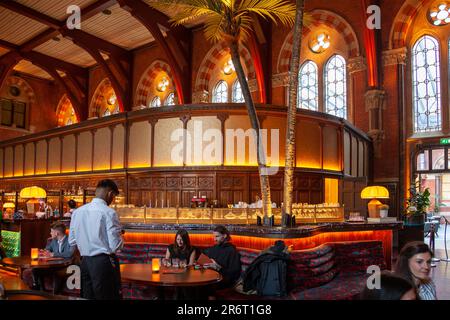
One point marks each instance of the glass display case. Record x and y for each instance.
(317, 213)
(54, 199)
(132, 214)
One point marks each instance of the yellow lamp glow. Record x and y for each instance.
(9, 205)
(34, 253)
(374, 193)
(33, 192)
(156, 263)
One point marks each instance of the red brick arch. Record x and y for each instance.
(98, 97)
(147, 79)
(23, 86)
(211, 60)
(330, 19)
(403, 21)
(64, 106)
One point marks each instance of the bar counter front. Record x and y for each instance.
(260, 237)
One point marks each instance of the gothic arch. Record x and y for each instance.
(147, 79)
(330, 19)
(98, 100)
(210, 62)
(64, 106)
(403, 21)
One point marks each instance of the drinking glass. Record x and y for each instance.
(176, 262)
(183, 263)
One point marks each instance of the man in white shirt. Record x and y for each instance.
(96, 231)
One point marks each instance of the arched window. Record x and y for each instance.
(69, 122)
(308, 87)
(426, 85)
(336, 87)
(107, 113)
(170, 100)
(220, 93)
(156, 102)
(236, 95)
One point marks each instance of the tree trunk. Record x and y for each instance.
(262, 167)
(291, 116)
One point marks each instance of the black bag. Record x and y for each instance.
(267, 273)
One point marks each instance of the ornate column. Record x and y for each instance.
(356, 68)
(375, 104)
(200, 97)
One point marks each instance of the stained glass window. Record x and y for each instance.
(426, 85)
(308, 87)
(237, 96)
(336, 87)
(106, 113)
(220, 93)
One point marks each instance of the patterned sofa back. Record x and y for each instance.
(307, 269)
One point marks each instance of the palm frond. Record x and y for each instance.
(214, 27)
(275, 10)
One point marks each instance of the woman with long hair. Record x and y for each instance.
(181, 248)
(414, 264)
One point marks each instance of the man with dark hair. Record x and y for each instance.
(72, 206)
(58, 246)
(96, 230)
(225, 258)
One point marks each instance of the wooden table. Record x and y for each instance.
(142, 274)
(25, 262)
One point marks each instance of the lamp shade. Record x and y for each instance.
(33, 192)
(375, 192)
(9, 205)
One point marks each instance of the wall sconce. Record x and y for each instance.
(319, 43)
(441, 15)
(162, 85)
(228, 67)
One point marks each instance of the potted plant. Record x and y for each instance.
(417, 205)
(384, 211)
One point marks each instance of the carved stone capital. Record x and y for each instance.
(375, 99)
(356, 64)
(280, 80)
(395, 56)
(253, 85)
(200, 97)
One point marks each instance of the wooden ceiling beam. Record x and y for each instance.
(177, 56)
(30, 13)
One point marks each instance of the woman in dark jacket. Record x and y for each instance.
(181, 248)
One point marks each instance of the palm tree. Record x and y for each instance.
(291, 114)
(230, 21)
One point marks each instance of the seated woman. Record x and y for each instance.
(414, 264)
(181, 249)
(392, 287)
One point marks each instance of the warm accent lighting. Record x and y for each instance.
(34, 253)
(9, 205)
(33, 192)
(112, 99)
(374, 193)
(162, 85)
(156, 263)
(228, 67)
(319, 43)
(441, 15)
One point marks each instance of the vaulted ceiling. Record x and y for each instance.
(34, 39)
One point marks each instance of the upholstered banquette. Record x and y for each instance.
(331, 271)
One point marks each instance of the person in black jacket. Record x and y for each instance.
(225, 258)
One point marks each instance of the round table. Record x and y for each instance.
(24, 262)
(142, 274)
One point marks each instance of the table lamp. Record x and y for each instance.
(374, 193)
(9, 209)
(33, 193)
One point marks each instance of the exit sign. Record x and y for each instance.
(445, 140)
